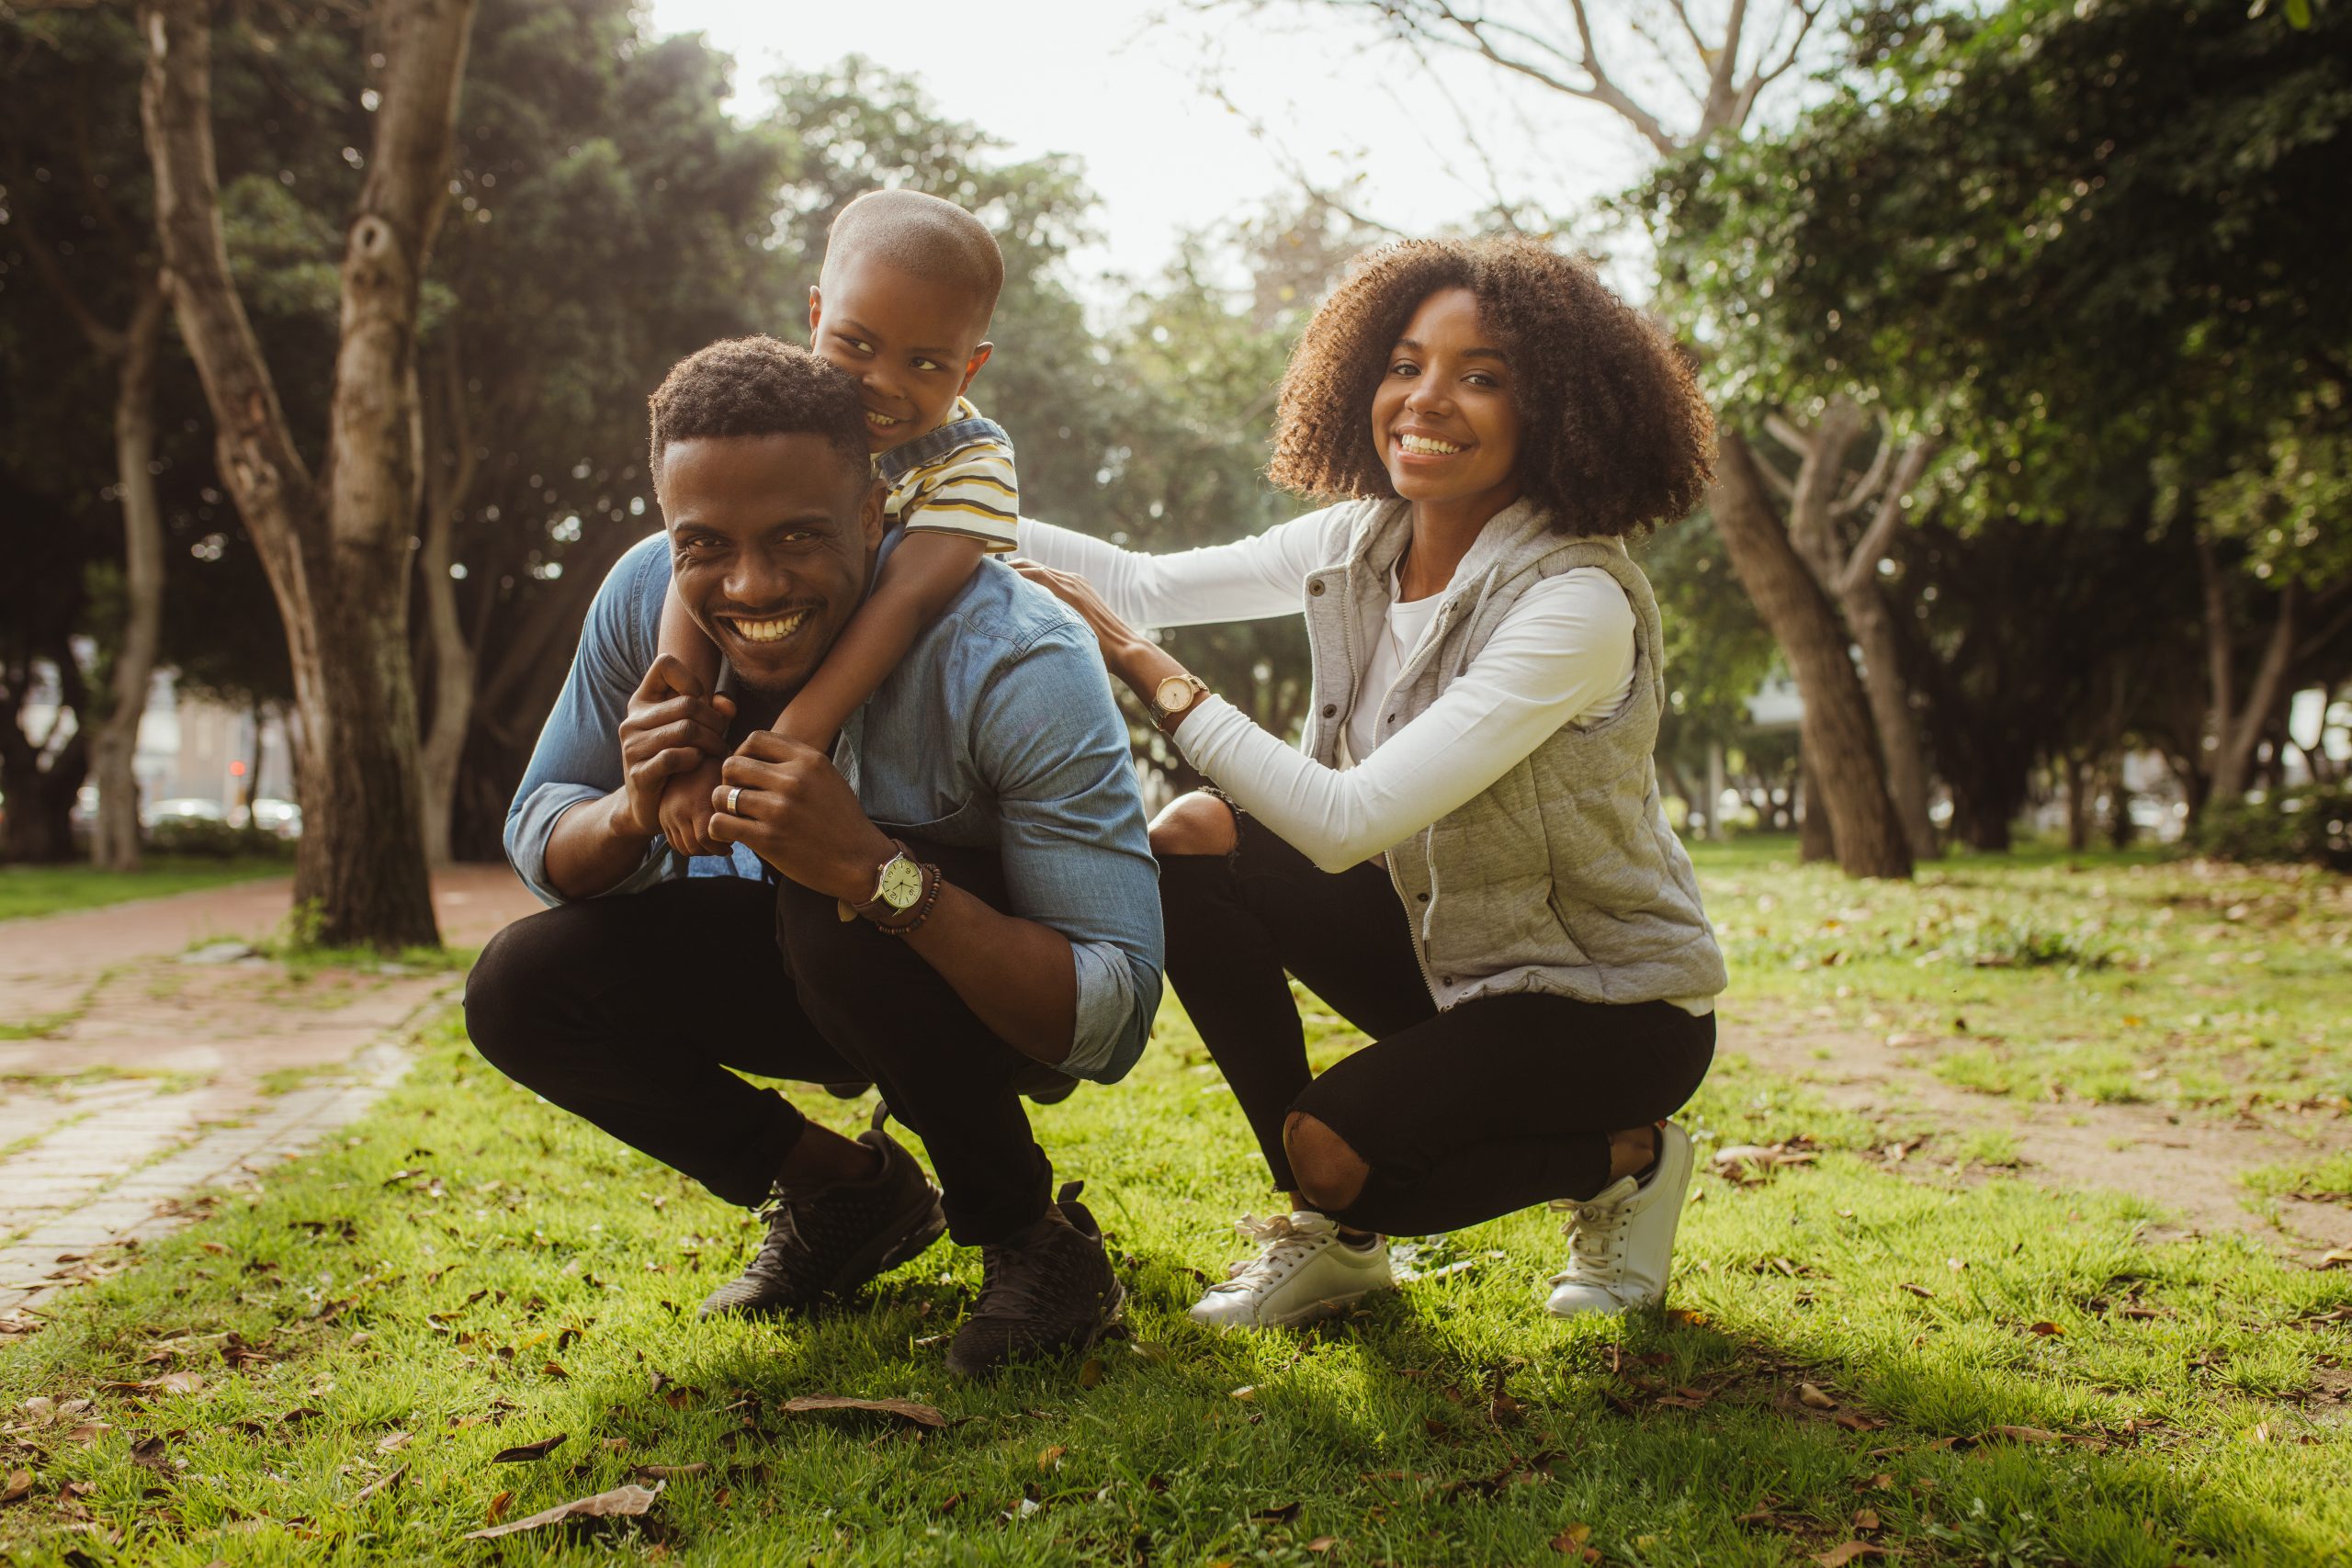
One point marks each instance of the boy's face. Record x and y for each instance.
(913, 345)
(772, 538)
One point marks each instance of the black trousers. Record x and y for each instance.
(629, 1010)
(1492, 1106)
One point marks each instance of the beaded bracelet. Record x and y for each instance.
(932, 883)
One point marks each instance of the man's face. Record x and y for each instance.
(772, 538)
(911, 346)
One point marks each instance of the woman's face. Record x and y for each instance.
(1444, 415)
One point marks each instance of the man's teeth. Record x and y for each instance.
(770, 631)
(1428, 446)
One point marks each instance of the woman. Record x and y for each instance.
(1467, 859)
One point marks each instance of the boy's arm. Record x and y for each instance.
(685, 808)
(919, 578)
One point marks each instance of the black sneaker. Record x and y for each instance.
(824, 1241)
(1046, 1291)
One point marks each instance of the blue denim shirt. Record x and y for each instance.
(996, 731)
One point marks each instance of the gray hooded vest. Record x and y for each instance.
(1563, 876)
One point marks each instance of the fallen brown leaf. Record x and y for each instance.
(904, 1409)
(2338, 1256)
(667, 1471)
(397, 1440)
(2026, 1434)
(21, 1482)
(1810, 1394)
(2045, 1329)
(1091, 1373)
(380, 1483)
(497, 1510)
(1279, 1514)
(1048, 1458)
(1572, 1539)
(176, 1382)
(1838, 1556)
(621, 1502)
(1323, 1543)
(1921, 1291)
(1866, 1518)
(523, 1453)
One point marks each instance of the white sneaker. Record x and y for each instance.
(1303, 1271)
(1621, 1242)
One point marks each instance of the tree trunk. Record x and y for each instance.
(41, 778)
(114, 840)
(449, 474)
(1839, 739)
(336, 548)
(2238, 726)
(1816, 839)
(2079, 809)
(1872, 619)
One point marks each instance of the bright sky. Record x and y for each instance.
(1132, 96)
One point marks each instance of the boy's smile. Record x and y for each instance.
(912, 344)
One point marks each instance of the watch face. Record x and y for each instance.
(901, 884)
(1171, 692)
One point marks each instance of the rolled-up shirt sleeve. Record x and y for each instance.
(1076, 856)
(578, 758)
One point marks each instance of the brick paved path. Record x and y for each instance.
(168, 1060)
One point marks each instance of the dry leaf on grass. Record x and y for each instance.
(1323, 1543)
(667, 1471)
(2026, 1435)
(1571, 1542)
(21, 1482)
(525, 1452)
(1091, 1373)
(2045, 1329)
(1850, 1551)
(1921, 1291)
(1279, 1514)
(2341, 1254)
(381, 1483)
(497, 1510)
(1810, 1395)
(621, 1502)
(904, 1409)
(1048, 1458)
(397, 1440)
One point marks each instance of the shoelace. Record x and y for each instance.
(1281, 1244)
(1596, 1233)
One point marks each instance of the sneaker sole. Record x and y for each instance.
(1314, 1312)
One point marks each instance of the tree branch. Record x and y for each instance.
(1879, 537)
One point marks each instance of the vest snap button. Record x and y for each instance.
(1421, 898)
(1330, 709)
(1314, 590)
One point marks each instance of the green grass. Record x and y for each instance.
(469, 1270)
(2099, 977)
(30, 890)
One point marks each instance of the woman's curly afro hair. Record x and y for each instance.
(1614, 437)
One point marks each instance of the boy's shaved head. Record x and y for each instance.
(935, 241)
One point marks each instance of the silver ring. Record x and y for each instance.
(734, 799)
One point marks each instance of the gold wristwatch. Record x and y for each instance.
(1173, 698)
(896, 889)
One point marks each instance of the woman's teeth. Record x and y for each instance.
(769, 631)
(1428, 446)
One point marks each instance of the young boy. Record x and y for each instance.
(903, 305)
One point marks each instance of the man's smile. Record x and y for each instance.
(764, 629)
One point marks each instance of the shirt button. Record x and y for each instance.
(1330, 709)
(1314, 590)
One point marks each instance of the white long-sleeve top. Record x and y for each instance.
(1563, 654)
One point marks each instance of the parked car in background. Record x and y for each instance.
(280, 818)
(184, 808)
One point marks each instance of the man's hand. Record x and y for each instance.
(799, 815)
(672, 728)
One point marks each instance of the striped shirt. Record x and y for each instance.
(955, 479)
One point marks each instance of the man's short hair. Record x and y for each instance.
(757, 385)
(922, 235)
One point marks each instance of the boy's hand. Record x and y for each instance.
(670, 728)
(685, 810)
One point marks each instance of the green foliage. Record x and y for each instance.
(2314, 824)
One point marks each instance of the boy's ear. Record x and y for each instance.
(971, 367)
(816, 309)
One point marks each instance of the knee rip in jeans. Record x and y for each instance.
(1329, 1174)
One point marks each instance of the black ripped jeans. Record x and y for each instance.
(629, 1011)
(1495, 1105)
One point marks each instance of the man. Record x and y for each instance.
(964, 898)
